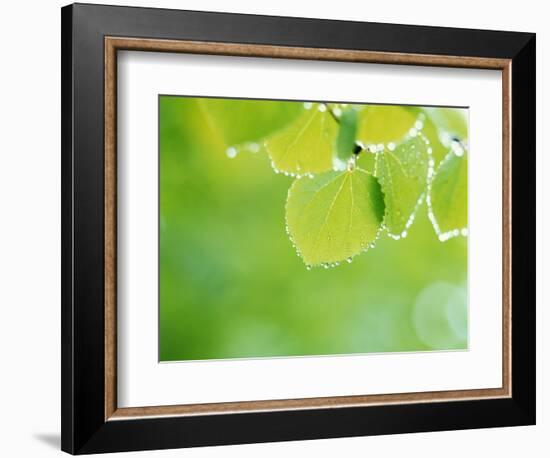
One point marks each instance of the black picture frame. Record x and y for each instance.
(84, 427)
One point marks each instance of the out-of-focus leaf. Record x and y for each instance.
(450, 121)
(305, 146)
(334, 216)
(384, 124)
(238, 121)
(345, 142)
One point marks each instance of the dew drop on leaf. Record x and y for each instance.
(231, 152)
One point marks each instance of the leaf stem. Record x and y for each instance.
(332, 113)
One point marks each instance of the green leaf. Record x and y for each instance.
(452, 121)
(403, 175)
(334, 216)
(305, 146)
(448, 196)
(367, 161)
(238, 121)
(345, 142)
(384, 124)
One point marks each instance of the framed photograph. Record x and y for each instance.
(282, 228)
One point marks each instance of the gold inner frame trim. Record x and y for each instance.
(112, 45)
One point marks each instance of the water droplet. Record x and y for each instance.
(338, 164)
(337, 112)
(464, 232)
(322, 107)
(231, 152)
(391, 146)
(308, 105)
(456, 147)
(418, 125)
(445, 138)
(412, 132)
(253, 147)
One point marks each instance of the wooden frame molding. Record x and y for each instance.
(111, 46)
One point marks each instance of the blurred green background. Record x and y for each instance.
(232, 286)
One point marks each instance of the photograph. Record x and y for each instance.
(308, 228)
